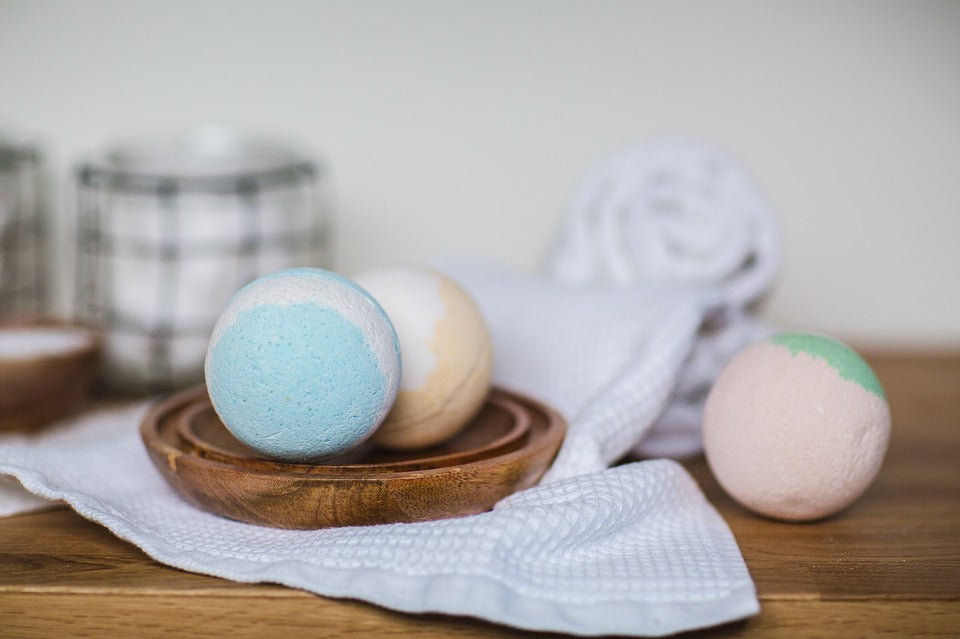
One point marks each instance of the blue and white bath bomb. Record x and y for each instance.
(302, 364)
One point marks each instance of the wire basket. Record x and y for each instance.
(169, 230)
(21, 229)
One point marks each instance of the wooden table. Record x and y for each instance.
(888, 566)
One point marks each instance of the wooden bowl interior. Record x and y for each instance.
(500, 426)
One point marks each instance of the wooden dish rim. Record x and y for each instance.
(521, 424)
(553, 432)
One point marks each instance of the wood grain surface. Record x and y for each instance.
(889, 566)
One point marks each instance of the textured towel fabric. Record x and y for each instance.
(15, 500)
(606, 360)
(669, 212)
(632, 550)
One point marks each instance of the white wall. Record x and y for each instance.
(465, 126)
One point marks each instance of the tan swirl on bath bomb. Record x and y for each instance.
(445, 350)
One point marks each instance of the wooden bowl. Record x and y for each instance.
(322, 495)
(39, 388)
(505, 426)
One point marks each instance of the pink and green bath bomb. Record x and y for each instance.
(796, 427)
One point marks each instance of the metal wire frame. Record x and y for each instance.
(22, 247)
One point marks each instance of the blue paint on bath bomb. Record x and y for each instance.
(299, 378)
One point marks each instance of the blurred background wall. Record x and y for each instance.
(465, 127)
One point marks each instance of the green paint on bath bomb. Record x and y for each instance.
(841, 357)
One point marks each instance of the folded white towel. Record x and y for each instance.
(671, 212)
(635, 550)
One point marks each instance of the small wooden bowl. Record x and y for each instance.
(505, 426)
(325, 495)
(37, 389)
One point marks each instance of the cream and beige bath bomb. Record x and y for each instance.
(796, 427)
(446, 352)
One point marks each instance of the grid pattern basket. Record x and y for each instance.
(22, 211)
(164, 239)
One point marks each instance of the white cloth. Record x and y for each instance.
(15, 500)
(667, 213)
(632, 550)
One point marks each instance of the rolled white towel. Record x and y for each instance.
(669, 212)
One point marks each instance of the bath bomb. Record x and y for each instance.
(302, 364)
(446, 350)
(796, 427)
